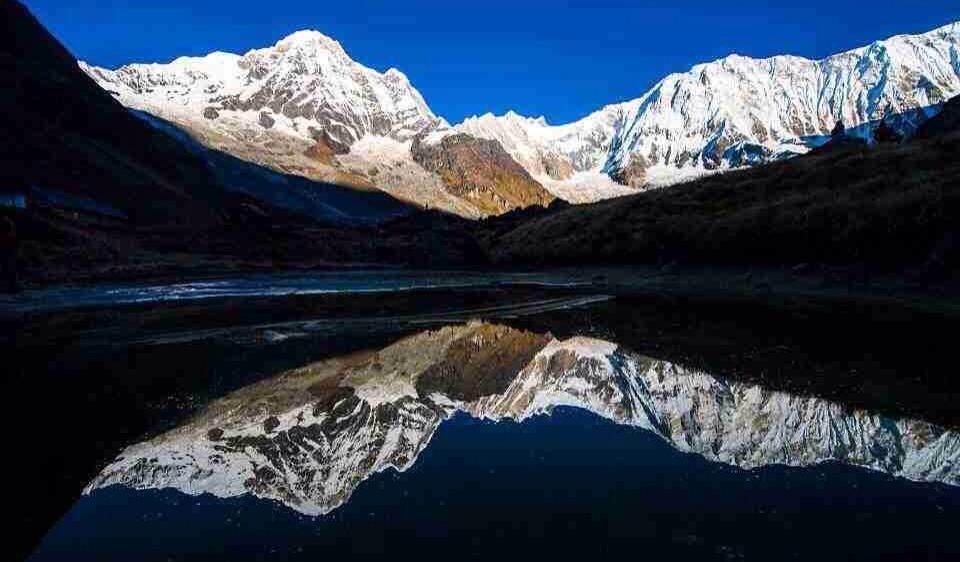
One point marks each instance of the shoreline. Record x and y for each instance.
(735, 283)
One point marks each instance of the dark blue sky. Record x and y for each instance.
(538, 57)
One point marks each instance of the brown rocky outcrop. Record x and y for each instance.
(480, 171)
(325, 148)
(483, 364)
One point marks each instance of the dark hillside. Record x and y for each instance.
(890, 206)
(59, 130)
(944, 123)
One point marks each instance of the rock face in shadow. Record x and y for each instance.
(347, 200)
(480, 171)
(60, 131)
(309, 437)
(944, 123)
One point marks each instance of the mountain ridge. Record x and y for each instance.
(669, 143)
(278, 105)
(723, 114)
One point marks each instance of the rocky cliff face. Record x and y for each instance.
(536, 145)
(481, 172)
(947, 122)
(307, 438)
(567, 159)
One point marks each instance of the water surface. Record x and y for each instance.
(480, 439)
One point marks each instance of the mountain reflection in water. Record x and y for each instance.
(307, 438)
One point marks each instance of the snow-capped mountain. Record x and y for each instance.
(736, 111)
(307, 438)
(299, 107)
(303, 104)
(305, 84)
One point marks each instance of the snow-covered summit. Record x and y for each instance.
(305, 84)
(309, 38)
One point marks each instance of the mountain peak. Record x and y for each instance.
(535, 120)
(308, 38)
(395, 74)
(306, 81)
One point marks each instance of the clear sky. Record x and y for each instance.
(561, 59)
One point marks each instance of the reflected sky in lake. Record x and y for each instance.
(488, 438)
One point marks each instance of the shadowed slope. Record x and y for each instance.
(887, 206)
(60, 130)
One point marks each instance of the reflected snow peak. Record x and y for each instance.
(307, 438)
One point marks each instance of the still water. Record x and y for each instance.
(485, 440)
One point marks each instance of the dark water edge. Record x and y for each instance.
(94, 381)
(749, 283)
(566, 485)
